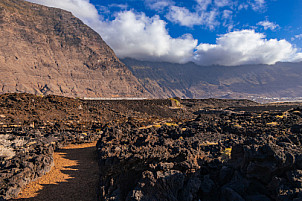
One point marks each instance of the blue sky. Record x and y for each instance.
(207, 32)
(285, 14)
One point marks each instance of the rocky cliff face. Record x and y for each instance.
(49, 51)
(192, 81)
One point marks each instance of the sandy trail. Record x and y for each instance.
(74, 177)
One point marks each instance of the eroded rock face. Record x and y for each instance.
(49, 51)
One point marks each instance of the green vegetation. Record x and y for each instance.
(175, 102)
(226, 154)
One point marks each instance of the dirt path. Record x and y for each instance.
(74, 177)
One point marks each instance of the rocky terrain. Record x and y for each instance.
(193, 81)
(220, 155)
(32, 126)
(167, 149)
(49, 51)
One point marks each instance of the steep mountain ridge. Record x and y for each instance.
(193, 81)
(49, 51)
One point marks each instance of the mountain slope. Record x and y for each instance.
(193, 81)
(49, 51)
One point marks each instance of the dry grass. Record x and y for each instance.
(272, 124)
(177, 103)
(159, 125)
(237, 126)
(171, 124)
(226, 154)
(207, 143)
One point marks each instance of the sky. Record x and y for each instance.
(206, 32)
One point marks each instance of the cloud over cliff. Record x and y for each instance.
(245, 47)
(136, 35)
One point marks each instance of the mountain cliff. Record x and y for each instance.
(194, 81)
(49, 51)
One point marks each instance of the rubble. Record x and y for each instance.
(148, 150)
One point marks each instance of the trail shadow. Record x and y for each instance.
(82, 182)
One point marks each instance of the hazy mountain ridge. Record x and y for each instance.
(49, 51)
(193, 81)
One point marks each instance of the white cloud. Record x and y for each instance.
(297, 58)
(82, 9)
(268, 25)
(203, 5)
(222, 3)
(120, 6)
(258, 5)
(140, 37)
(159, 5)
(243, 6)
(184, 17)
(299, 36)
(132, 35)
(204, 13)
(103, 9)
(209, 12)
(245, 47)
(227, 14)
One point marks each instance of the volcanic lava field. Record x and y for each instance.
(168, 149)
